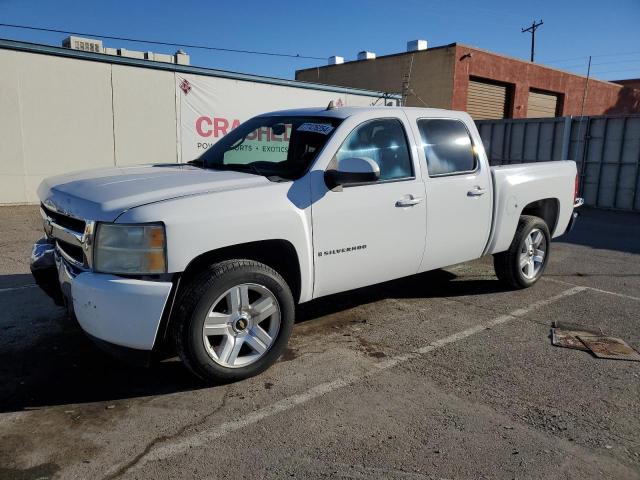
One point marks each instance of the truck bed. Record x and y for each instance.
(518, 187)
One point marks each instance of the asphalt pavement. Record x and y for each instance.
(440, 375)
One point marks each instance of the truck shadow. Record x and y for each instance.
(66, 368)
(607, 230)
(46, 360)
(436, 283)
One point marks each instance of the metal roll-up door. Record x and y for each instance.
(486, 100)
(542, 104)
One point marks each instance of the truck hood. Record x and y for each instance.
(104, 194)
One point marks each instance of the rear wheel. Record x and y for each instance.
(524, 262)
(234, 320)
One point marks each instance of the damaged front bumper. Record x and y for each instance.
(44, 270)
(122, 314)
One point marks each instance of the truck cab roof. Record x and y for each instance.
(346, 112)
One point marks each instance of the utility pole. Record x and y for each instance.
(581, 139)
(532, 29)
(586, 88)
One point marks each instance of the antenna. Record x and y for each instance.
(532, 30)
(406, 82)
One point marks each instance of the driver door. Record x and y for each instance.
(369, 233)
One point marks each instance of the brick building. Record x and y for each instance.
(486, 84)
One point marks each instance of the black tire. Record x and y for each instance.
(197, 297)
(507, 264)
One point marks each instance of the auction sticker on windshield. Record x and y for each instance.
(322, 128)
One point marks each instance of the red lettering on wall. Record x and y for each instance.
(220, 125)
(201, 123)
(216, 126)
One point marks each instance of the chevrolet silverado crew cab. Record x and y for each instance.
(212, 256)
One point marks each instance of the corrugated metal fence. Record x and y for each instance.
(606, 150)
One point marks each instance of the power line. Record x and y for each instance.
(620, 70)
(583, 64)
(419, 98)
(618, 61)
(154, 42)
(585, 57)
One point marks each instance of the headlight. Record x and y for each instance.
(130, 249)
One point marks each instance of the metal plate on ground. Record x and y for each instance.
(562, 325)
(609, 347)
(567, 339)
(565, 334)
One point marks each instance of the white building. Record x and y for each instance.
(65, 109)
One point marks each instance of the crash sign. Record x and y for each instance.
(215, 127)
(211, 107)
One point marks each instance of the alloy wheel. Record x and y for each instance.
(241, 325)
(532, 254)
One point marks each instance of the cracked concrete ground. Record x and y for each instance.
(441, 375)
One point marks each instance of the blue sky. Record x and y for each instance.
(572, 30)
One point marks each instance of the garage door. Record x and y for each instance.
(542, 104)
(486, 100)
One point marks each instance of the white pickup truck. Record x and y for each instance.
(213, 256)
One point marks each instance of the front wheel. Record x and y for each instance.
(523, 264)
(234, 320)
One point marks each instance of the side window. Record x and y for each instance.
(447, 146)
(384, 141)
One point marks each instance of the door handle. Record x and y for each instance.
(476, 192)
(408, 201)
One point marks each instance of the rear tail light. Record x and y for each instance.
(577, 187)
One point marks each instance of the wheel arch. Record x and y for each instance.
(505, 223)
(278, 254)
(548, 209)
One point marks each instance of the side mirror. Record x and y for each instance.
(352, 171)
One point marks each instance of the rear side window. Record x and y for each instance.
(447, 146)
(384, 142)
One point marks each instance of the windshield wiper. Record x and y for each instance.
(252, 167)
(239, 167)
(196, 162)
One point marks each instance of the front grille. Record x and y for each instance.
(64, 220)
(73, 251)
(69, 235)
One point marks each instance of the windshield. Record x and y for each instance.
(282, 146)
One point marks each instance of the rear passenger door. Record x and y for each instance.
(458, 189)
